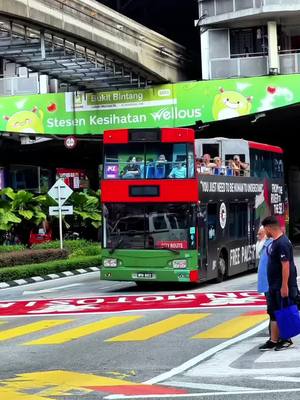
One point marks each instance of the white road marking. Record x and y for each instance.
(207, 386)
(51, 289)
(220, 364)
(279, 378)
(199, 395)
(288, 355)
(203, 356)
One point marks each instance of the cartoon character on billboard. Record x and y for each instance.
(229, 104)
(25, 121)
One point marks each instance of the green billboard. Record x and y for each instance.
(171, 105)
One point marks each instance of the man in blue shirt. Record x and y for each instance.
(179, 171)
(282, 279)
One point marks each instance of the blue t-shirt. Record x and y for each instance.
(280, 250)
(262, 276)
(178, 172)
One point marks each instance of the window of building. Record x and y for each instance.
(248, 41)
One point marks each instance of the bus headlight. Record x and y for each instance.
(110, 262)
(180, 264)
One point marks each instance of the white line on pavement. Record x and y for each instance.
(195, 360)
(208, 386)
(199, 395)
(279, 378)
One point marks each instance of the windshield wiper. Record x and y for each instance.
(167, 248)
(119, 242)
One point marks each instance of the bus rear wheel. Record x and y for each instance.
(222, 268)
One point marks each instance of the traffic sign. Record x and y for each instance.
(62, 189)
(70, 142)
(65, 210)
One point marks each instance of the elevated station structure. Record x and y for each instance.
(70, 45)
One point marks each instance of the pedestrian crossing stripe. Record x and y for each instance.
(232, 328)
(31, 328)
(84, 330)
(224, 330)
(158, 328)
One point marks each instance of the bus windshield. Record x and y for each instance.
(131, 226)
(149, 161)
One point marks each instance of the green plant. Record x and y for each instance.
(87, 208)
(27, 271)
(20, 211)
(31, 256)
(8, 249)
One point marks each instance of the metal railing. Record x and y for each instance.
(253, 64)
(211, 8)
(15, 85)
(238, 67)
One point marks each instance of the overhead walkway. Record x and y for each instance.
(86, 45)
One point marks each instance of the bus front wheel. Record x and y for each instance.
(222, 268)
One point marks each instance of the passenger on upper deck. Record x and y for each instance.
(231, 169)
(199, 164)
(179, 171)
(208, 166)
(242, 168)
(219, 169)
(160, 167)
(191, 165)
(131, 170)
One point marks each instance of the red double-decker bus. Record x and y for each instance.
(170, 216)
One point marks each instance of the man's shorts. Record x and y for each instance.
(276, 302)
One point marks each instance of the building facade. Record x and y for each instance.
(252, 38)
(244, 38)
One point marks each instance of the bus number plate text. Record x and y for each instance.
(144, 275)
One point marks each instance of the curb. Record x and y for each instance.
(34, 279)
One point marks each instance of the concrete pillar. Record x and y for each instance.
(44, 84)
(274, 67)
(205, 55)
(53, 85)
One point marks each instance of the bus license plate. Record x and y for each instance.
(144, 275)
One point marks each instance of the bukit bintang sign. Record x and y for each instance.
(173, 105)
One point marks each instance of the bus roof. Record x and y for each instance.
(265, 147)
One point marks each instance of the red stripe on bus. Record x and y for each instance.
(115, 136)
(177, 135)
(117, 191)
(266, 147)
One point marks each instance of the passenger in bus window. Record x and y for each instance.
(131, 170)
(208, 165)
(179, 171)
(199, 164)
(160, 167)
(219, 169)
(191, 165)
(231, 169)
(140, 163)
(242, 168)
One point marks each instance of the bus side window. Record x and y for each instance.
(212, 221)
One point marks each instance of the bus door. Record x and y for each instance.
(212, 242)
(251, 234)
(202, 241)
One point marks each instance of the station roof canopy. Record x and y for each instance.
(77, 65)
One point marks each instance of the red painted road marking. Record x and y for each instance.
(137, 390)
(107, 304)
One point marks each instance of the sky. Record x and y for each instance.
(172, 18)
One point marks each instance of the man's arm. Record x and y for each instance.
(284, 291)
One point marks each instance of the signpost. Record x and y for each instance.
(60, 192)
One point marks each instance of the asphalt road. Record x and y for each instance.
(157, 353)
